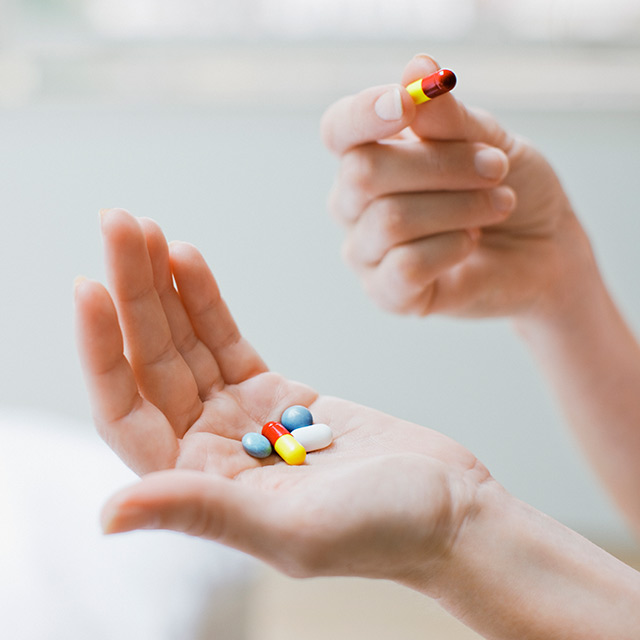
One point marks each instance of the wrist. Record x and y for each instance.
(468, 533)
(513, 572)
(572, 286)
(469, 495)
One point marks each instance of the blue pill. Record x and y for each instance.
(256, 445)
(296, 417)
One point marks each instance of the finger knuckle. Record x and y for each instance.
(346, 205)
(358, 168)
(440, 165)
(349, 253)
(334, 202)
(392, 300)
(394, 284)
(387, 219)
(404, 265)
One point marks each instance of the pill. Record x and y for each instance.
(256, 445)
(314, 437)
(432, 86)
(286, 446)
(295, 417)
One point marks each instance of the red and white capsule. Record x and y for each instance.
(286, 446)
(432, 86)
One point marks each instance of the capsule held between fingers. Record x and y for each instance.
(432, 86)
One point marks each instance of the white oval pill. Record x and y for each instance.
(313, 437)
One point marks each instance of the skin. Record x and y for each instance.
(424, 232)
(174, 386)
(422, 228)
(177, 405)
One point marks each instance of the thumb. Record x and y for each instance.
(373, 114)
(446, 118)
(197, 504)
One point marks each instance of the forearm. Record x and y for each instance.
(592, 360)
(516, 573)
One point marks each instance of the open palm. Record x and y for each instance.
(176, 395)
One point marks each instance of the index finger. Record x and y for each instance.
(373, 114)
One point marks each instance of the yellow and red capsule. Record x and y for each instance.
(432, 86)
(286, 446)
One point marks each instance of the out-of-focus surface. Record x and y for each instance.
(351, 608)
(61, 579)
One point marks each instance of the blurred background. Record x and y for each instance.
(203, 114)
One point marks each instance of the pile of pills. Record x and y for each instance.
(292, 438)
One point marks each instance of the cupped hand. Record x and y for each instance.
(174, 387)
(445, 211)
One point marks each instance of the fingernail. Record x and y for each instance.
(388, 106)
(78, 281)
(491, 164)
(425, 57)
(503, 199)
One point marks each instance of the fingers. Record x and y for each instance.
(210, 316)
(373, 114)
(392, 221)
(413, 201)
(163, 376)
(371, 171)
(406, 279)
(194, 352)
(382, 112)
(454, 148)
(135, 429)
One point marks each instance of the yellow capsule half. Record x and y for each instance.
(290, 450)
(416, 92)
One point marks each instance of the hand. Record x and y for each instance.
(444, 211)
(384, 500)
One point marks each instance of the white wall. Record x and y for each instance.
(248, 185)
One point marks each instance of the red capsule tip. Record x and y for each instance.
(447, 79)
(438, 83)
